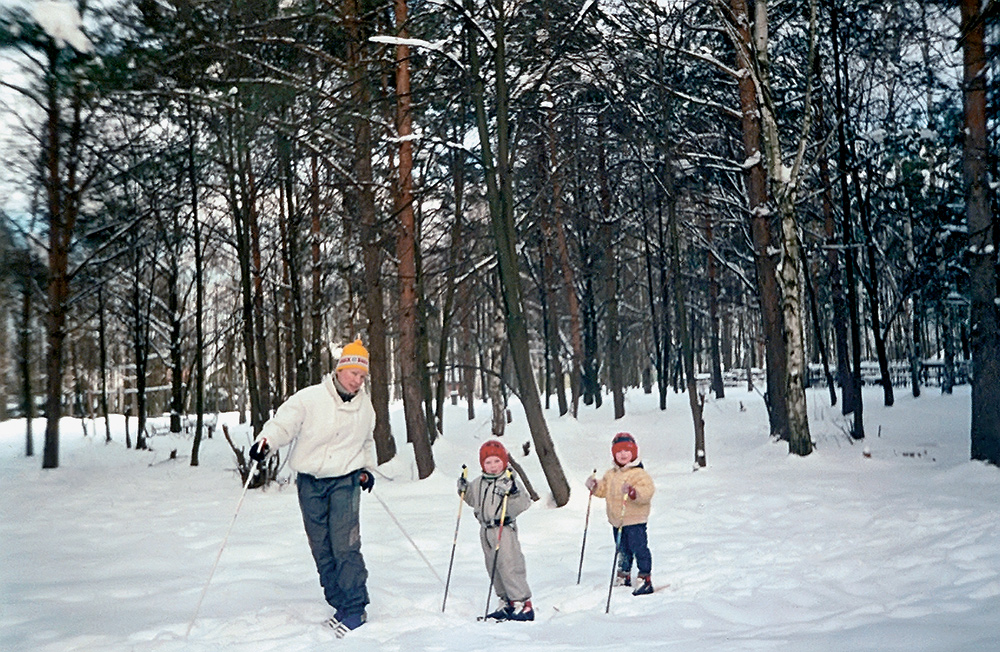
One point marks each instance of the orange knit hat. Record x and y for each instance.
(354, 356)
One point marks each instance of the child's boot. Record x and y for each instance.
(624, 578)
(503, 612)
(521, 611)
(645, 585)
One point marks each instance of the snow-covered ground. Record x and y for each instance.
(758, 551)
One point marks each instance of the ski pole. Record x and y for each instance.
(408, 537)
(239, 503)
(454, 542)
(496, 552)
(586, 525)
(618, 543)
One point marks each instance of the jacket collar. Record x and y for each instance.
(331, 388)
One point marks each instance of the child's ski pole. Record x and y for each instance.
(586, 525)
(496, 552)
(618, 543)
(454, 542)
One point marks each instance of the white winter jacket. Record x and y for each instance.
(332, 437)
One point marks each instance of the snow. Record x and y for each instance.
(887, 545)
(62, 22)
(752, 160)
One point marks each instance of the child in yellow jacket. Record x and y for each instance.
(627, 489)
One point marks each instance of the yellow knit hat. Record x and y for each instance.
(354, 356)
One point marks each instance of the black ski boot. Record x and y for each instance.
(645, 585)
(503, 611)
(521, 611)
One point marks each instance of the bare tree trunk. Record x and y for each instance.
(837, 300)
(609, 271)
(448, 306)
(498, 422)
(651, 297)
(259, 313)
(785, 190)
(718, 387)
(687, 350)
(818, 333)
(199, 295)
(500, 197)
(982, 244)
(568, 280)
(316, 305)
(416, 425)
(841, 103)
(551, 313)
(140, 305)
(371, 237)
(872, 285)
(767, 278)
(174, 323)
(665, 192)
(62, 218)
(102, 344)
(468, 359)
(242, 228)
(24, 363)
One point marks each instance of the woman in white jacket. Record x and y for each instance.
(332, 425)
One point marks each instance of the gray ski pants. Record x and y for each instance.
(330, 513)
(511, 579)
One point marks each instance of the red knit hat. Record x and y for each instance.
(624, 441)
(493, 448)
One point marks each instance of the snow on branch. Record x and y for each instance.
(418, 43)
(62, 22)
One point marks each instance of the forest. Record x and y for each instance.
(560, 200)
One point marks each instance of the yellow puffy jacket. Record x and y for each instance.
(610, 488)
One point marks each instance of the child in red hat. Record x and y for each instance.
(628, 489)
(486, 495)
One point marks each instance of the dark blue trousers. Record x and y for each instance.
(633, 545)
(330, 511)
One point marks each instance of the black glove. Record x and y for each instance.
(463, 485)
(259, 450)
(366, 480)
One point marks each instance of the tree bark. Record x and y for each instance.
(199, 293)
(982, 242)
(416, 424)
(62, 216)
(760, 227)
(371, 237)
(102, 343)
(448, 307)
(609, 273)
(837, 300)
(500, 197)
(24, 364)
(841, 102)
(316, 303)
(687, 349)
(718, 387)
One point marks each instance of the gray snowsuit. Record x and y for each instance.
(486, 499)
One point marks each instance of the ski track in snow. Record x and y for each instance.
(761, 550)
